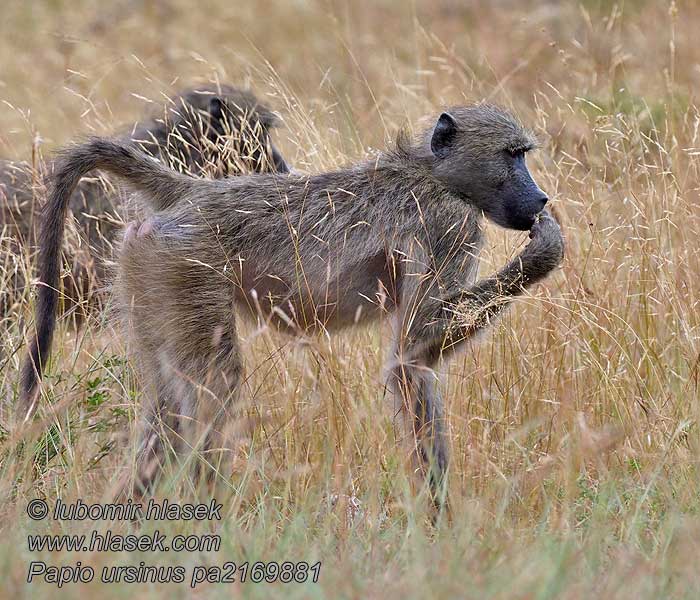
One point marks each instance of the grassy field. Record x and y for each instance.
(573, 424)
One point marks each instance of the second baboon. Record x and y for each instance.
(208, 131)
(399, 234)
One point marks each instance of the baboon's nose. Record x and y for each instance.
(542, 201)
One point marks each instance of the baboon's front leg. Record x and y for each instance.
(463, 313)
(437, 315)
(417, 400)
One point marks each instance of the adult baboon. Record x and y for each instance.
(398, 234)
(209, 131)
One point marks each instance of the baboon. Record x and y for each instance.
(209, 131)
(399, 234)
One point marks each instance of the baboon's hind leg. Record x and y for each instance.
(186, 343)
(200, 374)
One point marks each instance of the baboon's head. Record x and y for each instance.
(232, 127)
(219, 130)
(479, 154)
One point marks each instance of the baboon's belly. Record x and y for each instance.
(320, 295)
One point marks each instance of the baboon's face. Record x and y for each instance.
(479, 154)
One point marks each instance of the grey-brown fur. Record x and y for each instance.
(398, 235)
(208, 131)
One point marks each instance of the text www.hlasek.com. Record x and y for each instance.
(109, 541)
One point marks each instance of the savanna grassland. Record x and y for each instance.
(573, 424)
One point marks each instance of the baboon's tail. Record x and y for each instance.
(162, 188)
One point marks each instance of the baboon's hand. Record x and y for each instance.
(546, 248)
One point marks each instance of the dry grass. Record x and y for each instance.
(573, 425)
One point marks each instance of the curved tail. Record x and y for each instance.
(162, 188)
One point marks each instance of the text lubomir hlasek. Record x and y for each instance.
(129, 511)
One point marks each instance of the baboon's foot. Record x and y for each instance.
(138, 230)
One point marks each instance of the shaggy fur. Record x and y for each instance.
(398, 235)
(204, 132)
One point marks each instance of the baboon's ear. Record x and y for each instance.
(216, 108)
(443, 135)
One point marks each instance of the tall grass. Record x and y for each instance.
(573, 424)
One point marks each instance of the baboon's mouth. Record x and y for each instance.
(526, 222)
